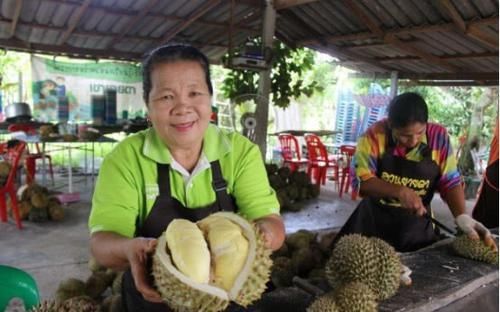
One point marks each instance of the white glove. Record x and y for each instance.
(471, 227)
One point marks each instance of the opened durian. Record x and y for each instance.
(368, 260)
(204, 266)
(474, 249)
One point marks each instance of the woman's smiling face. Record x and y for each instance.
(179, 104)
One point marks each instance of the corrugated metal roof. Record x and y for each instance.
(418, 38)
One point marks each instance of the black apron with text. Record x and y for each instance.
(377, 217)
(164, 210)
(486, 208)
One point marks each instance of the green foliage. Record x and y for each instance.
(450, 106)
(288, 79)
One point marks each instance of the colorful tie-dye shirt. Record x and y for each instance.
(372, 145)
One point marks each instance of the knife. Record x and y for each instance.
(440, 225)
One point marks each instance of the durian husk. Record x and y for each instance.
(70, 288)
(474, 249)
(324, 303)
(183, 294)
(355, 297)
(55, 210)
(368, 260)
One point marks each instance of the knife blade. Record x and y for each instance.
(440, 225)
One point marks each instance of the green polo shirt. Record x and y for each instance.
(127, 185)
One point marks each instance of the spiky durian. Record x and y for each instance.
(77, 304)
(116, 286)
(367, 260)
(324, 303)
(474, 249)
(39, 200)
(4, 169)
(69, 288)
(197, 293)
(55, 210)
(355, 297)
(388, 270)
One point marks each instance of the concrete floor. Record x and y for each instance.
(54, 251)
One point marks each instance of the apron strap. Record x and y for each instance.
(219, 185)
(163, 179)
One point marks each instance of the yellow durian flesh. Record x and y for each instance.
(228, 247)
(182, 293)
(194, 261)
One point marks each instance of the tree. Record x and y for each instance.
(289, 66)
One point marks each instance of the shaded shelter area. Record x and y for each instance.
(426, 40)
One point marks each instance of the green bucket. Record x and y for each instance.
(16, 283)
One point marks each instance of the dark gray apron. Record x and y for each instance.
(377, 217)
(164, 210)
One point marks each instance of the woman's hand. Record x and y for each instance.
(273, 229)
(138, 251)
(475, 230)
(409, 199)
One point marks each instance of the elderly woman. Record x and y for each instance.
(182, 167)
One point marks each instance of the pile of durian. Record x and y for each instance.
(361, 271)
(291, 187)
(204, 266)
(101, 292)
(4, 171)
(474, 249)
(37, 205)
(303, 254)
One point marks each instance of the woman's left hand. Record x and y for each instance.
(475, 230)
(273, 229)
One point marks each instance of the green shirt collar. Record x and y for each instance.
(155, 148)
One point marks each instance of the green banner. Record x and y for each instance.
(121, 72)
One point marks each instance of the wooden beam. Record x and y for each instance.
(132, 13)
(285, 4)
(18, 45)
(397, 32)
(392, 39)
(449, 83)
(448, 57)
(76, 19)
(454, 14)
(349, 55)
(475, 32)
(133, 23)
(422, 54)
(189, 20)
(365, 19)
(493, 76)
(15, 18)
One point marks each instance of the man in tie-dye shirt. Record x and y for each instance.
(400, 162)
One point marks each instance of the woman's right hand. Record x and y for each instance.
(138, 251)
(409, 199)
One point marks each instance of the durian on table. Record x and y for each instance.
(369, 260)
(204, 266)
(474, 249)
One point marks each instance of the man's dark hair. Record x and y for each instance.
(170, 53)
(407, 108)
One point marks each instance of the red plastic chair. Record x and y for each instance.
(346, 152)
(13, 156)
(290, 151)
(319, 160)
(32, 157)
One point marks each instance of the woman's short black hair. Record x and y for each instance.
(170, 53)
(407, 108)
